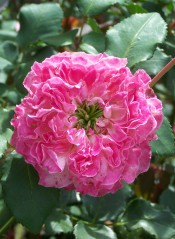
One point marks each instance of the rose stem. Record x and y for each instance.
(7, 224)
(162, 72)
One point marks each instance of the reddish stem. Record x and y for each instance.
(162, 72)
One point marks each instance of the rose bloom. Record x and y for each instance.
(86, 122)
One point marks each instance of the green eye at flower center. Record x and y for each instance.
(87, 115)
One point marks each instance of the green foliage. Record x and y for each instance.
(101, 209)
(4, 212)
(91, 232)
(155, 63)
(136, 37)
(6, 115)
(93, 24)
(94, 7)
(64, 39)
(4, 64)
(29, 202)
(167, 198)
(151, 218)
(165, 145)
(93, 43)
(143, 32)
(135, 8)
(58, 222)
(9, 51)
(4, 139)
(46, 22)
(7, 35)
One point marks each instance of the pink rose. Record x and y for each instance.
(86, 122)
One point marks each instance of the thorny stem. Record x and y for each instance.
(162, 72)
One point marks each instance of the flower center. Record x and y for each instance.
(87, 115)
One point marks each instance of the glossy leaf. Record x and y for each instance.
(153, 219)
(58, 222)
(93, 43)
(94, 7)
(8, 51)
(135, 8)
(9, 95)
(24, 68)
(12, 25)
(6, 115)
(29, 202)
(93, 24)
(66, 198)
(64, 39)
(165, 145)
(154, 6)
(85, 231)
(107, 207)
(5, 214)
(88, 48)
(4, 139)
(79, 212)
(155, 63)
(45, 18)
(6, 165)
(167, 199)
(136, 37)
(4, 64)
(3, 145)
(7, 35)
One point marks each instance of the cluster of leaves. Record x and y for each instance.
(142, 31)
